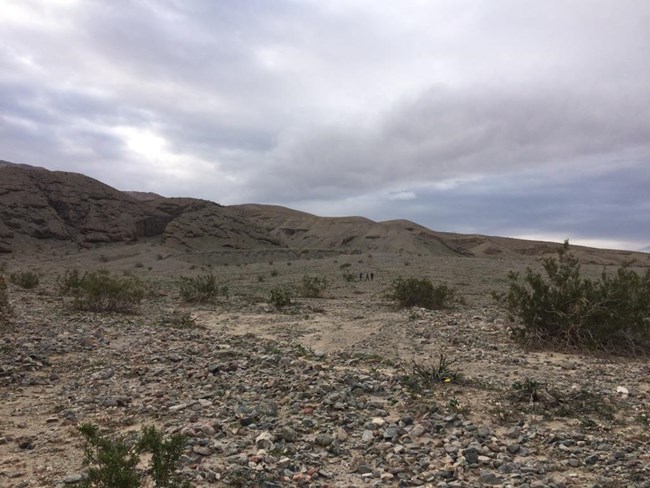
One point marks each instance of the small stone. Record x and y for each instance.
(417, 431)
(490, 479)
(324, 440)
(514, 432)
(178, 408)
(202, 450)
(102, 375)
(264, 441)
(513, 448)
(367, 436)
(471, 455)
(378, 421)
(73, 478)
(593, 459)
(364, 469)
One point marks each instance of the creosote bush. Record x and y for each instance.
(201, 289)
(281, 297)
(25, 279)
(113, 461)
(313, 286)
(421, 292)
(99, 291)
(563, 309)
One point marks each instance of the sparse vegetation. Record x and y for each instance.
(349, 277)
(425, 374)
(99, 291)
(201, 289)
(421, 292)
(563, 309)
(540, 397)
(113, 460)
(313, 286)
(179, 320)
(24, 279)
(5, 307)
(67, 282)
(281, 297)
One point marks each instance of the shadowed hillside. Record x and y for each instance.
(40, 208)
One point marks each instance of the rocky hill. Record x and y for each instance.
(40, 207)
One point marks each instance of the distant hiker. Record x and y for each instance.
(360, 276)
(372, 276)
(367, 277)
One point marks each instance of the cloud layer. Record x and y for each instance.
(500, 117)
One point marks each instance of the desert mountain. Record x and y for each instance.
(40, 207)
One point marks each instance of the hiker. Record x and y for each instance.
(372, 276)
(367, 277)
(361, 276)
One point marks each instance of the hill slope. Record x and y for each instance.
(40, 207)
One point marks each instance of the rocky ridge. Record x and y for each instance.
(41, 208)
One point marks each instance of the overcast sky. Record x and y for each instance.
(503, 117)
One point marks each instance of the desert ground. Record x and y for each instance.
(328, 392)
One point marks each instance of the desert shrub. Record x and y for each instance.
(425, 374)
(201, 289)
(313, 286)
(179, 320)
(25, 279)
(421, 292)
(113, 460)
(535, 397)
(281, 297)
(349, 277)
(5, 307)
(99, 291)
(67, 282)
(165, 454)
(274, 272)
(563, 309)
(345, 265)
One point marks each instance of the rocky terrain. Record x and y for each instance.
(327, 393)
(339, 391)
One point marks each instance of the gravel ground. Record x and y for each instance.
(334, 392)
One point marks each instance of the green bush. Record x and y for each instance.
(281, 297)
(165, 454)
(201, 289)
(68, 281)
(421, 292)
(99, 291)
(5, 307)
(25, 279)
(563, 309)
(349, 277)
(313, 286)
(113, 460)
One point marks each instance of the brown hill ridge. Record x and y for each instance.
(40, 207)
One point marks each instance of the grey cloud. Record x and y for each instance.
(341, 104)
(449, 134)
